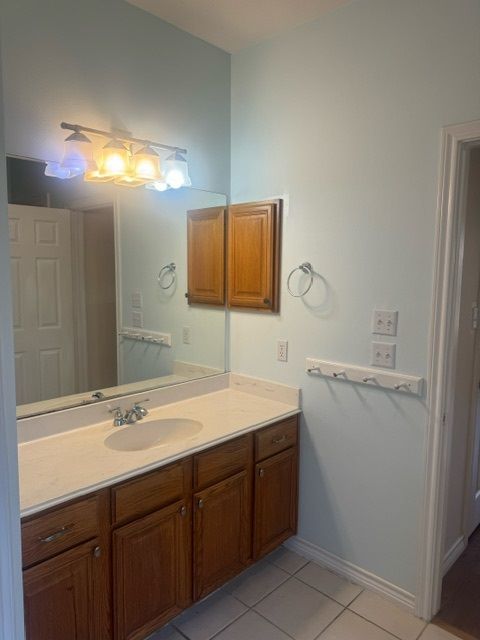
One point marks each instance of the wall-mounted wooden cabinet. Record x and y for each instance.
(251, 261)
(121, 562)
(206, 256)
(253, 250)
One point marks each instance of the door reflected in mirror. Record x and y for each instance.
(99, 277)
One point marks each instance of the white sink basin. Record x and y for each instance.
(153, 433)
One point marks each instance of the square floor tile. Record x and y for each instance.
(299, 610)
(385, 614)
(432, 632)
(205, 619)
(287, 560)
(167, 633)
(256, 583)
(349, 626)
(251, 626)
(328, 583)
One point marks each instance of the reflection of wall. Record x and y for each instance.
(108, 63)
(152, 230)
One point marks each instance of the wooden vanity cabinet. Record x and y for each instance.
(66, 559)
(121, 562)
(152, 558)
(222, 513)
(276, 485)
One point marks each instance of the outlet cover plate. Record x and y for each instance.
(385, 322)
(137, 319)
(186, 335)
(282, 350)
(383, 354)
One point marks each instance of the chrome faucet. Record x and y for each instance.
(130, 416)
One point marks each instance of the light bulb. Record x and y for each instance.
(146, 164)
(115, 159)
(176, 171)
(175, 179)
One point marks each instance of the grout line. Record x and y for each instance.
(273, 624)
(375, 624)
(330, 623)
(328, 595)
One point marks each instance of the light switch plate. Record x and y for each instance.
(383, 354)
(385, 322)
(137, 300)
(186, 335)
(137, 319)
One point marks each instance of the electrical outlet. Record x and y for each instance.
(137, 319)
(186, 335)
(137, 299)
(385, 322)
(383, 354)
(282, 350)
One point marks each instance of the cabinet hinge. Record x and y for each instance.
(475, 315)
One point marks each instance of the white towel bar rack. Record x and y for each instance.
(366, 376)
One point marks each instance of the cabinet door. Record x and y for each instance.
(275, 501)
(206, 256)
(152, 571)
(254, 255)
(59, 595)
(222, 532)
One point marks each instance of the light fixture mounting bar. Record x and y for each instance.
(120, 136)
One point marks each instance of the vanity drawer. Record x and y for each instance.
(50, 533)
(222, 461)
(152, 491)
(276, 438)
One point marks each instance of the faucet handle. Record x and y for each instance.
(139, 410)
(118, 419)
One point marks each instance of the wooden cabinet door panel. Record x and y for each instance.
(206, 256)
(59, 596)
(222, 532)
(152, 571)
(275, 501)
(253, 255)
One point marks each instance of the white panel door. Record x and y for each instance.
(41, 268)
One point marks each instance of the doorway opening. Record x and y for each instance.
(447, 562)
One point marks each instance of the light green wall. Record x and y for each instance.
(344, 115)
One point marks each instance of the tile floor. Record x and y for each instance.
(286, 597)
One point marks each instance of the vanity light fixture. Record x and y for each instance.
(119, 162)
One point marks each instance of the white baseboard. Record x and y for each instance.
(352, 572)
(453, 554)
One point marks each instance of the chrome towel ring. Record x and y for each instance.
(164, 271)
(307, 269)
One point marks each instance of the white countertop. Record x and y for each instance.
(66, 465)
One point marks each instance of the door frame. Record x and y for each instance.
(450, 226)
(11, 588)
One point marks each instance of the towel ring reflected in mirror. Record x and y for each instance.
(307, 269)
(164, 273)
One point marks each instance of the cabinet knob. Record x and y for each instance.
(261, 472)
(183, 511)
(200, 504)
(97, 552)
(266, 301)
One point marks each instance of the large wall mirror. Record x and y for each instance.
(99, 276)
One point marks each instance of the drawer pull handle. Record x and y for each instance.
(200, 504)
(279, 439)
(97, 552)
(58, 534)
(261, 472)
(183, 511)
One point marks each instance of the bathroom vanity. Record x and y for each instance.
(120, 561)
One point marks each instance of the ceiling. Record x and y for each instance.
(235, 24)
